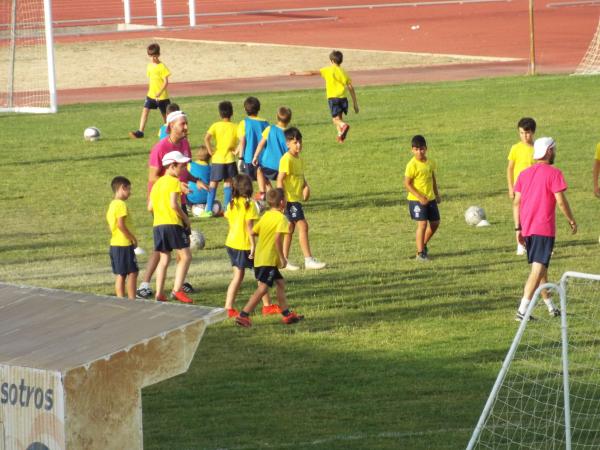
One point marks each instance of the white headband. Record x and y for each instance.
(175, 115)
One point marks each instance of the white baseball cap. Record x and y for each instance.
(174, 156)
(541, 146)
(172, 117)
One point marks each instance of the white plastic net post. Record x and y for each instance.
(590, 64)
(547, 393)
(27, 76)
(192, 9)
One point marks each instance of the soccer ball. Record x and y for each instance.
(197, 241)
(197, 210)
(91, 134)
(474, 215)
(217, 207)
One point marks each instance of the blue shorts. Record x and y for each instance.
(151, 103)
(539, 249)
(337, 106)
(170, 237)
(240, 258)
(420, 212)
(269, 174)
(123, 260)
(267, 275)
(220, 172)
(294, 211)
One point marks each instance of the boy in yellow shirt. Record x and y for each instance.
(157, 96)
(268, 259)
(291, 179)
(171, 226)
(223, 167)
(520, 158)
(597, 171)
(123, 242)
(423, 196)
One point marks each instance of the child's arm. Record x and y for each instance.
(596, 173)
(279, 248)
(353, 95)
(408, 184)
(259, 148)
(306, 191)
(174, 201)
(305, 73)
(249, 228)
(123, 228)
(510, 169)
(280, 177)
(208, 143)
(162, 89)
(438, 199)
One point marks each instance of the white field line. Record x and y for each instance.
(576, 3)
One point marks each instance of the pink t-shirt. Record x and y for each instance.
(160, 149)
(537, 185)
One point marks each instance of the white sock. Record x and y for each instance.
(523, 306)
(308, 259)
(144, 285)
(549, 304)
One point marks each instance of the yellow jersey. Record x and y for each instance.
(157, 74)
(226, 140)
(160, 196)
(238, 216)
(597, 155)
(336, 80)
(116, 209)
(293, 183)
(522, 155)
(421, 172)
(271, 223)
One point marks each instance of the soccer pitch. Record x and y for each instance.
(392, 354)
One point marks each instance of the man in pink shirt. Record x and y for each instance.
(538, 190)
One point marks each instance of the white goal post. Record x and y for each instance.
(27, 73)
(547, 393)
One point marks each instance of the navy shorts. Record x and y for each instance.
(269, 174)
(539, 249)
(123, 260)
(267, 275)
(294, 211)
(151, 103)
(420, 212)
(337, 106)
(220, 172)
(250, 170)
(170, 237)
(240, 258)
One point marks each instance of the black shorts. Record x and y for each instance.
(420, 212)
(539, 249)
(267, 275)
(151, 103)
(220, 172)
(294, 211)
(240, 258)
(170, 237)
(250, 170)
(337, 106)
(269, 174)
(123, 260)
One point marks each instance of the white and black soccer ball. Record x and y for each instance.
(91, 134)
(474, 215)
(197, 240)
(197, 210)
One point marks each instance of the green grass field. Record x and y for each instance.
(392, 354)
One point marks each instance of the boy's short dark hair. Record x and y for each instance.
(252, 106)
(284, 114)
(172, 107)
(225, 109)
(292, 134)
(527, 123)
(418, 141)
(274, 197)
(117, 182)
(153, 49)
(336, 57)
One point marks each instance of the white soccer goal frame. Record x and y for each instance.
(561, 290)
(52, 107)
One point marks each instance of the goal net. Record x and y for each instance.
(27, 81)
(590, 64)
(547, 394)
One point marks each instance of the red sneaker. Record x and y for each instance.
(292, 318)
(161, 298)
(182, 297)
(243, 321)
(232, 312)
(271, 309)
(344, 131)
